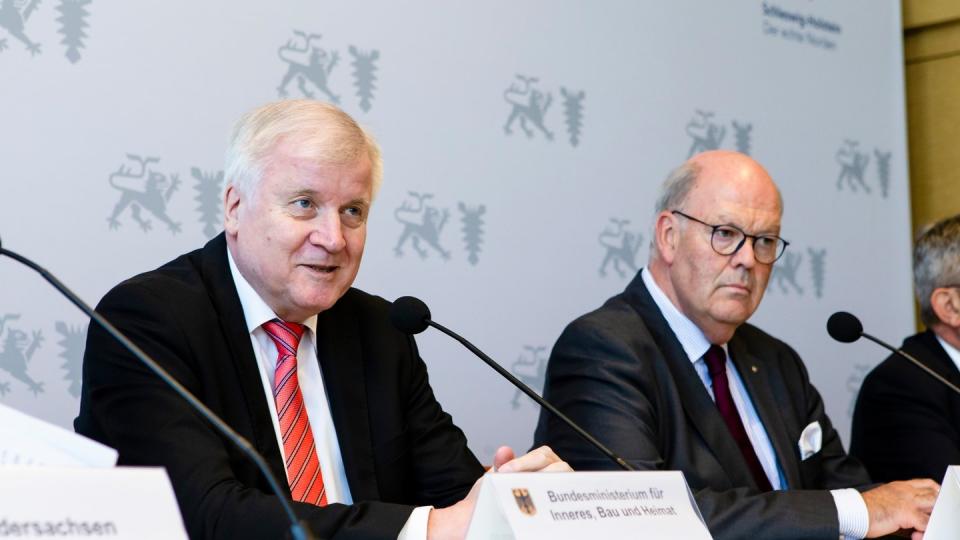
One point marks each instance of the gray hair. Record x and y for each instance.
(319, 130)
(674, 191)
(936, 263)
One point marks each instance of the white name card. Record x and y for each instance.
(64, 502)
(578, 505)
(945, 520)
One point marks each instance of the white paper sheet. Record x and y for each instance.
(25, 440)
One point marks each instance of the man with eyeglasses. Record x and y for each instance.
(670, 376)
(900, 408)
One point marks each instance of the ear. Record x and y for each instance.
(666, 235)
(231, 210)
(946, 305)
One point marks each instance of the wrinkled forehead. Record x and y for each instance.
(316, 147)
(298, 172)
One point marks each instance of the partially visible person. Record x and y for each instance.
(906, 423)
(670, 375)
(263, 326)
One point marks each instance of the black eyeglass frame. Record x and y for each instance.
(753, 238)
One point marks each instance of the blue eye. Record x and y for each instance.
(303, 207)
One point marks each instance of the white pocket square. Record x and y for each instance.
(810, 440)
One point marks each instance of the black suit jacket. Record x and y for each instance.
(906, 423)
(399, 448)
(622, 374)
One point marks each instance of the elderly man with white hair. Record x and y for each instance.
(262, 324)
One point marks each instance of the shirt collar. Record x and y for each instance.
(952, 352)
(691, 338)
(255, 310)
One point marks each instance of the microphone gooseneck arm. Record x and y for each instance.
(298, 530)
(915, 362)
(534, 396)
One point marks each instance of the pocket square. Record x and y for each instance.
(810, 440)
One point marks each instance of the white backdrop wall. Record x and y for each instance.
(508, 225)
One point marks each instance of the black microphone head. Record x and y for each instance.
(844, 327)
(409, 315)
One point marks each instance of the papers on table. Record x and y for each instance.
(945, 519)
(54, 482)
(25, 440)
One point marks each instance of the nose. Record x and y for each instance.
(744, 256)
(328, 232)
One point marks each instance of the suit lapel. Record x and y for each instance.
(939, 360)
(341, 361)
(215, 270)
(761, 395)
(701, 411)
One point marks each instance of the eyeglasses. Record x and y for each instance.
(728, 239)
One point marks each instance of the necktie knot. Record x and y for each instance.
(286, 335)
(716, 360)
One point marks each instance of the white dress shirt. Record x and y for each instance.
(851, 510)
(256, 312)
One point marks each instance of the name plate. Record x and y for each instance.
(577, 505)
(945, 519)
(65, 502)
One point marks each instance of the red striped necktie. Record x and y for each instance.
(303, 467)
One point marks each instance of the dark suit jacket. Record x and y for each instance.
(622, 374)
(906, 423)
(399, 448)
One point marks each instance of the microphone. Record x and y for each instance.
(298, 530)
(844, 327)
(847, 328)
(411, 316)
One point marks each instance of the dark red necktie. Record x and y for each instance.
(716, 360)
(303, 468)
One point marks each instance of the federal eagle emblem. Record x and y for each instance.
(524, 501)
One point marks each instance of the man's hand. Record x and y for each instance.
(452, 522)
(900, 505)
(540, 460)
